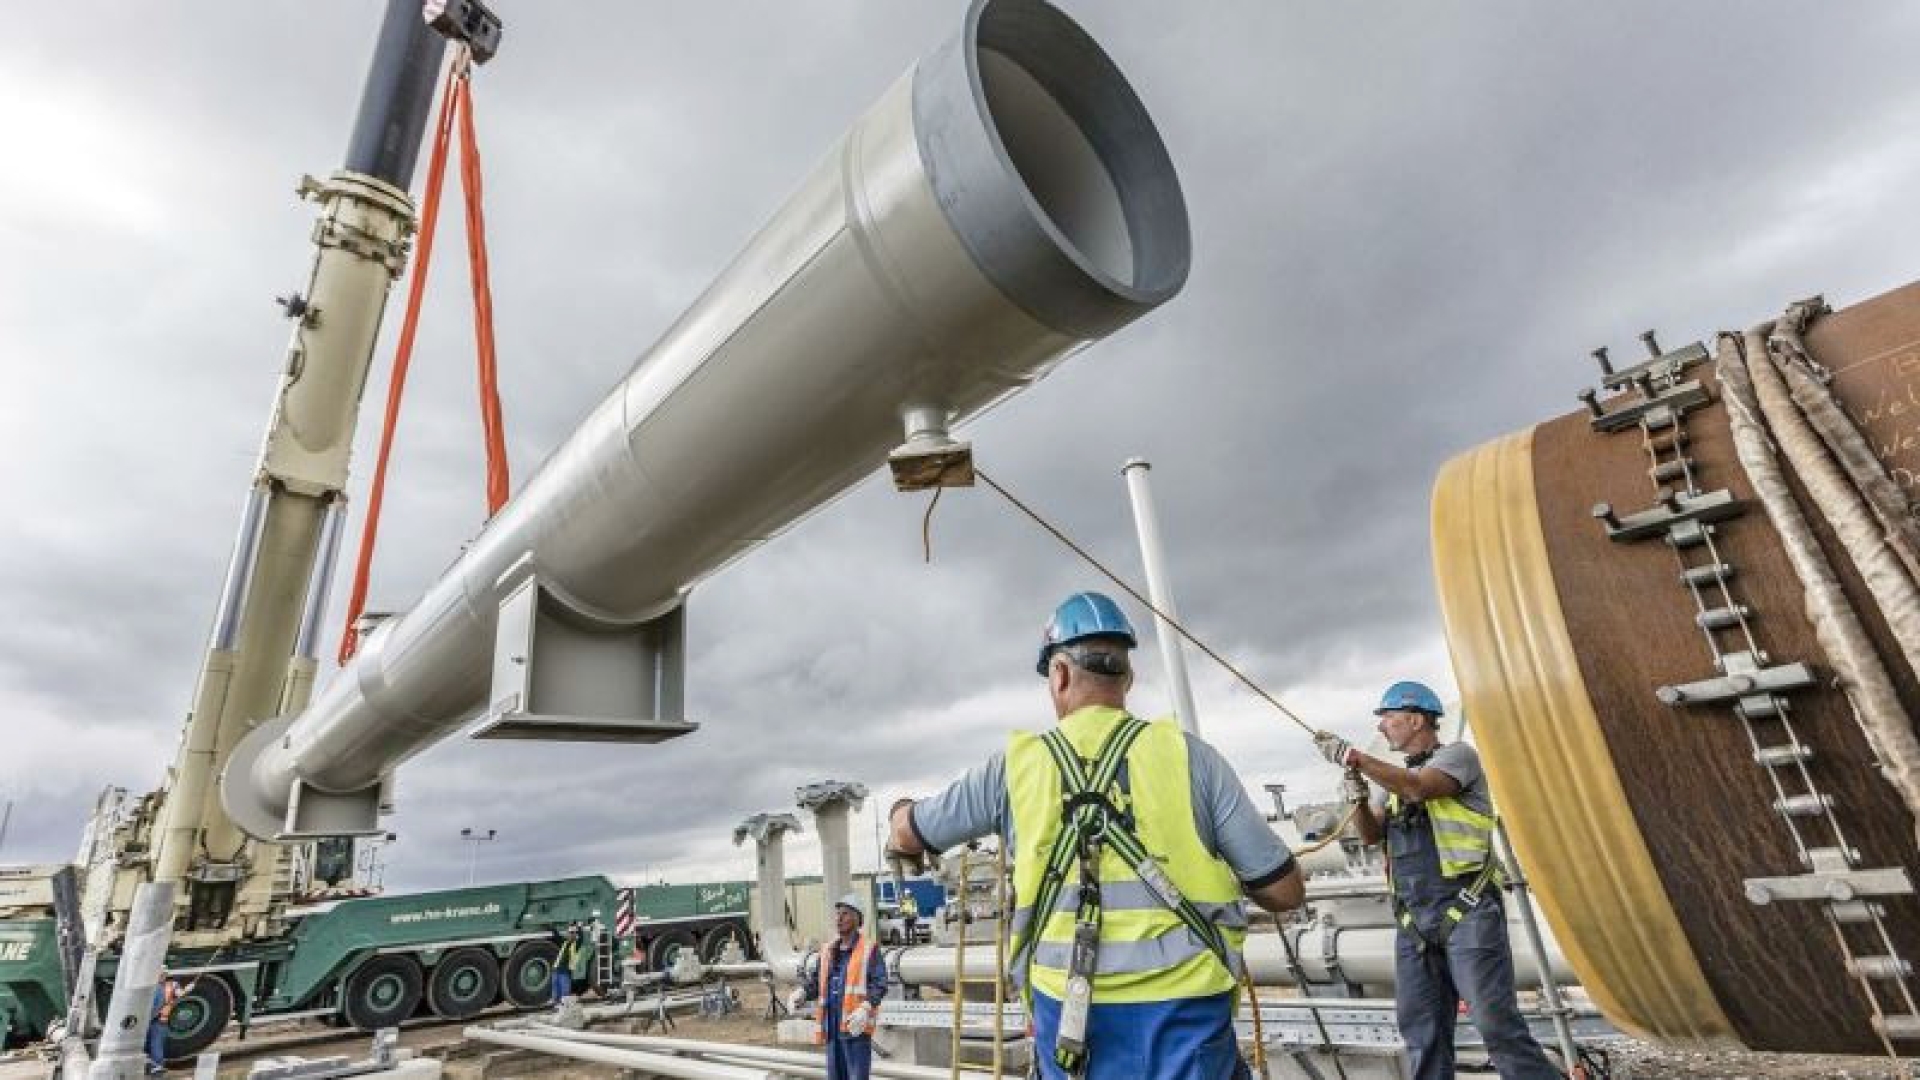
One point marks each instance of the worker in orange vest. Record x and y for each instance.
(850, 982)
(166, 994)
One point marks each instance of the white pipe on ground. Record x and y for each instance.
(763, 1055)
(1327, 954)
(659, 1064)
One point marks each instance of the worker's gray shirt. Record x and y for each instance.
(1460, 761)
(1229, 825)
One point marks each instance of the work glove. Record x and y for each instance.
(1332, 747)
(904, 862)
(860, 1020)
(1354, 786)
(797, 1001)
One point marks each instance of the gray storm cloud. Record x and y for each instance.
(1411, 223)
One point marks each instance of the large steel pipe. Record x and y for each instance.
(1710, 830)
(1007, 201)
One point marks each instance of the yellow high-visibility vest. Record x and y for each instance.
(1462, 835)
(1146, 952)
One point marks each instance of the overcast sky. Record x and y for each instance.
(1411, 223)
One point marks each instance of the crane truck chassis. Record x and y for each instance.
(372, 962)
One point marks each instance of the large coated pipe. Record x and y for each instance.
(1680, 764)
(1007, 201)
(397, 95)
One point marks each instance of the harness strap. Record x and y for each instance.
(1090, 811)
(1074, 781)
(1464, 901)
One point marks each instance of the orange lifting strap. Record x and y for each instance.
(456, 100)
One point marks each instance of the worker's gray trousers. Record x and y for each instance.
(1475, 965)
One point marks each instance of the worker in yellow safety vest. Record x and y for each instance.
(910, 917)
(1133, 846)
(1436, 816)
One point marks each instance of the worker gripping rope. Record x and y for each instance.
(1437, 817)
(1131, 966)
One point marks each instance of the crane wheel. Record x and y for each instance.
(715, 941)
(661, 950)
(385, 991)
(198, 1017)
(528, 981)
(464, 982)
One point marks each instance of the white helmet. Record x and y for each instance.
(854, 903)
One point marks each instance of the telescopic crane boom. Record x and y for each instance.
(260, 657)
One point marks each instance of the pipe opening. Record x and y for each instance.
(1082, 143)
(1050, 170)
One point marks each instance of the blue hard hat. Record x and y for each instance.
(1410, 695)
(1080, 616)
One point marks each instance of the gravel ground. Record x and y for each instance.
(1639, 1061)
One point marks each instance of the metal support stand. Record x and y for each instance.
(1523, 899)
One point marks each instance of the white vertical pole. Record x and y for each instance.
(122, 1053)
(1147, 523)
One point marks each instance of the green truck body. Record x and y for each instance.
(33, 982)
(706, 918)
(371, 962)
(660, 902)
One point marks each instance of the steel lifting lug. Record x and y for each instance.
(1674, 399)
(1739, 684)
(1675, 508)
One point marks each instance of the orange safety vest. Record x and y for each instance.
(853, 993)
(169, 997)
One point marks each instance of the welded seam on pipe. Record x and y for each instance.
(1813, 393)
(1837, 628)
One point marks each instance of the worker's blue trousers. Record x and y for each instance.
(156, 1044)
(1179, 1039)
(1477, 965)
(849, 1058)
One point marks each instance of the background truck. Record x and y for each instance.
(706, 917)
(928, 895)
(366, 962)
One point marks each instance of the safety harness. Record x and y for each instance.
(1089, 823)
(1464, 902)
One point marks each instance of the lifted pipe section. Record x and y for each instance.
(1005, 203)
